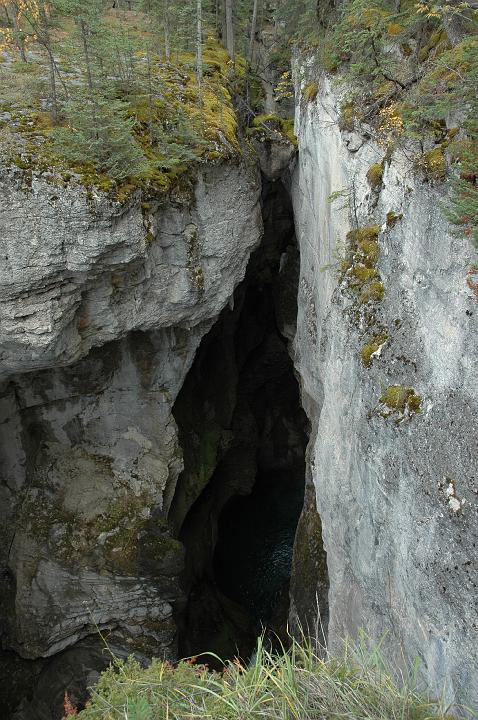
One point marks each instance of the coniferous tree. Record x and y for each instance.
(109, 145)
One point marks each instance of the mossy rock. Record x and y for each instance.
(373, 293)
(369, 232)
(393, 218)
(437, 42)
(347, 117)
(400, 400)
(370, 249)
(375, 175)
(360, 263)
(364, 246)
(369, 351)
(272, 127)
(433, 164)
(363, 274)
(311, 91)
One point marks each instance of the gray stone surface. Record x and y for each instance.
(398, 495)
(78, 271)
(102, 309)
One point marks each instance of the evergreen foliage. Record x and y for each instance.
(99, 133)
(149, 89)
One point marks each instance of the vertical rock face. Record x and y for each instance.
(386, 348)
(102, 309)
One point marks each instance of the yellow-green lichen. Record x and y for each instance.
(371, 349)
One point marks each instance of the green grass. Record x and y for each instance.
(292, 685)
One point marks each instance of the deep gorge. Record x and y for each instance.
(244, 436)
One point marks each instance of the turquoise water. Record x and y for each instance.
(256, 536)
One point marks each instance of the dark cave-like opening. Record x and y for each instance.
(244, 438)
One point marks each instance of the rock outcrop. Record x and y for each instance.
(386, 348)
(102, 308)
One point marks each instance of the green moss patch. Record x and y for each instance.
(371, 349)
(375, 175)
(433, 164)
(348, 114)
(374, 292)
(272, 127)
(311, 91)
(393, 218)
(400, 401)
(359, 266)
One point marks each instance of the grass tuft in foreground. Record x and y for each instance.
(294, 685)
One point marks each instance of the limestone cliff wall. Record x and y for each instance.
(102, 308)
(386, 348)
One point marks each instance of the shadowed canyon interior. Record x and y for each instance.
(244, 437)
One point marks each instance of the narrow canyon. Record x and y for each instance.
(249, 406)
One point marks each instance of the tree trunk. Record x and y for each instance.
(253, 30)
(167, 41)
(199, 44)
(230, 29)
(84, 37)
(150, 99)
(18, 35)
(54, 96)
(222, 4)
